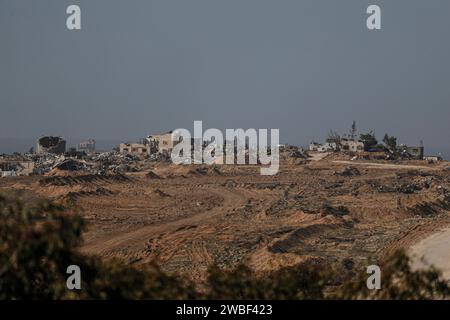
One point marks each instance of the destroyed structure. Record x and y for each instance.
(50, 157)
(328, 146)
(160, 143)
(413, 152)
(87, 146)
(353, 145)
(432, 158)
(135, 149)
(49, 144)
(18, 167)
(344, 144)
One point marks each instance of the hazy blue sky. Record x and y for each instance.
(140, 67)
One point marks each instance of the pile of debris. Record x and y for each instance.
(71, 165)
(293, 155)
(205, 170)
(409, 188)
(44, 163)
(348, 171)
(114, 162)
(431, 208)
(406, 188)
(160, 157)
(294, 151)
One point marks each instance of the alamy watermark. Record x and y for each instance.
(235, 147)
(73, 21)
(374, 280)
(74, 280)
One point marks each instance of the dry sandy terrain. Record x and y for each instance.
(433, 250)
(189, 217)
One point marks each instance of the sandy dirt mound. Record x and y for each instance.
(189, 217)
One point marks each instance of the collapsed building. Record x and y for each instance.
(134, 149)
(49, 144)
(344, 144)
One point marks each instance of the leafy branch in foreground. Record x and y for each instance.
(38, 243)
(398, 281)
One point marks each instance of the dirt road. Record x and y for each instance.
(139, 236)
(386, 165)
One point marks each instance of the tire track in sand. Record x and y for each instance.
(136, 239)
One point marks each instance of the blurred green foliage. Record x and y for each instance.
(298, 282)
(398, 282)
(38, 243)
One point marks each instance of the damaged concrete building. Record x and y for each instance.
(352, 145)
(87, 146)
(344, 144)
(16, 168)
(49, 144)
(160, 143)
(136, 149)
(433, 158)
(328, 146)
(314, 146)
(416, 153)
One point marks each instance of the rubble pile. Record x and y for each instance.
(111, 162)
(294, 152)
(71, 165)
(45, 162)
(115, 162)
(409, 182)
(348, 171)
(431, 208)
(205, 170)
(293, 155)
(102, 163)
(409, 188)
